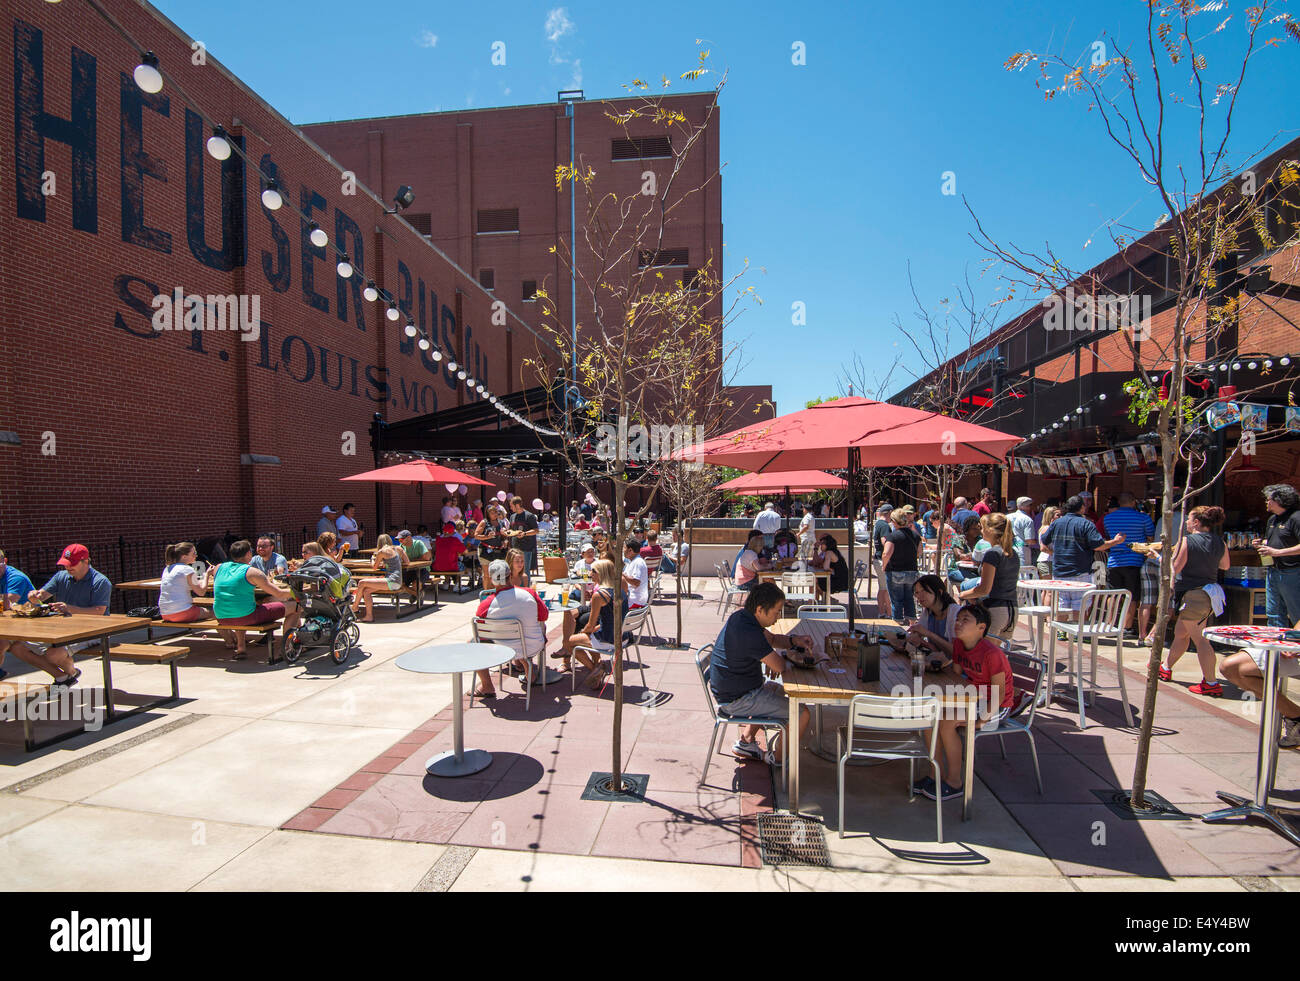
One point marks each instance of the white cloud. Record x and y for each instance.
(427, 39)
(558, 24)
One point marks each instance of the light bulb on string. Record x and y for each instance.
(424, 343)
(318, 236)
(1236, 366)
(219, 144)
(370, 293)
(272, 200)
(344, 267)
(460, 375)
(146, 74)
(411, 331)
(436, 355)
(1268, 363)
(1284, 362)
(451, 365)
(1251, 366)
(392, 313)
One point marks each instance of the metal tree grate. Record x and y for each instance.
(786, 839)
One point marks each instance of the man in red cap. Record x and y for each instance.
(76, 588)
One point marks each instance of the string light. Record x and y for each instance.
(370, 293)
(392, 311)
(271, 197)
(344, 267)
(147, 75)
(218, 145)
(318, 236)
(411, 330)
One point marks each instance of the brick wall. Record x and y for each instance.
(145, 429)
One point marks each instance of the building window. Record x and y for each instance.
(641, 148)
(494, 221)
(665, 257)
(422, 223)
(529, 290)
(487, 278)
(691, 279)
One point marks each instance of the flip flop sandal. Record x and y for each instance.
(69, 680)
(484, 694)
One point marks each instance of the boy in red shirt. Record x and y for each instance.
(447, 549)
(984, 665)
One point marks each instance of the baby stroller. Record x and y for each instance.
(321, 588)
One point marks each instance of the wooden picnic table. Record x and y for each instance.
(822, 576)
(148, 585)
(58, 631)
(830, 683)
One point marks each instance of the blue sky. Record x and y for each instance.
(834, 168)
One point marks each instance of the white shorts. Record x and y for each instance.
(1287, 667)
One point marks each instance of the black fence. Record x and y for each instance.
(124, 561)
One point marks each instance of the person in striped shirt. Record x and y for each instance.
(1123, 565)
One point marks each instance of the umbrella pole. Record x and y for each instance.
(853, 509)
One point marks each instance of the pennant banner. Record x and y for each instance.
(1292, 419)
(1254, 418)
(1131, 455)
(1223, 414)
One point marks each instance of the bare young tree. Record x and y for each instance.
(1134, 94)
(649, 363)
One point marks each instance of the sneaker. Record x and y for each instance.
(1211, 689)
(924, 787)
(948, 792)
(750, 750)
(770, 759)
(1166, 674)
(1290, 733)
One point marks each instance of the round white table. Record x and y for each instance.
(1054, 588)
(455, 659)
(1269, 641)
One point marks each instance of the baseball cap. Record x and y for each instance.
(403, 534)
(884, 509)
(906, 511)
(448, 528)
(328, 510)
(588, 548)
(1022, 501)
(1086, 495)
(72, 555)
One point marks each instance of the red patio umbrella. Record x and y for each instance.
(793, 482)
(416, 472)
(850, 433)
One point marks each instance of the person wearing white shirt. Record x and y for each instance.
(588, 559)
(1022, 526)
(636, 575)
(769, 523)
(348, 529)
(807, 535)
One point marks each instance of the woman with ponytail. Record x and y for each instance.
(999, 573)
(180, 584)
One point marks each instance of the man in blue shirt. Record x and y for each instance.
(960, 512)
(736, 669)
(267, 559)
(1072, 539)
(14, 587)
(77, 588)
(1123, 565)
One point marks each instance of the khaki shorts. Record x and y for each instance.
(1195, 607)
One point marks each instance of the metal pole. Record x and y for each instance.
(853, 509)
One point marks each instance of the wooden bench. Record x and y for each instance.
(415, 592)
(436, 576)
(145, 654)
(267, 630)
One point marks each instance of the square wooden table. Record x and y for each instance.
(58, 631)
(820, 685)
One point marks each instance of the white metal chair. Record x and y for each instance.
(703, 657)
(823, 611)
(510, 632)
(633, 624)
(729, 589)
(1030, 674)
(1102, 613)
(906, 721)
(799, 587)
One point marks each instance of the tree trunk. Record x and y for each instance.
(616, 771)
(677, 640)
(1169, 458)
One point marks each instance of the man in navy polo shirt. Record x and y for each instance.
(736, 669)
(76, 588)
(1072, 539)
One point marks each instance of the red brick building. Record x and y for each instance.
(111, 428)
